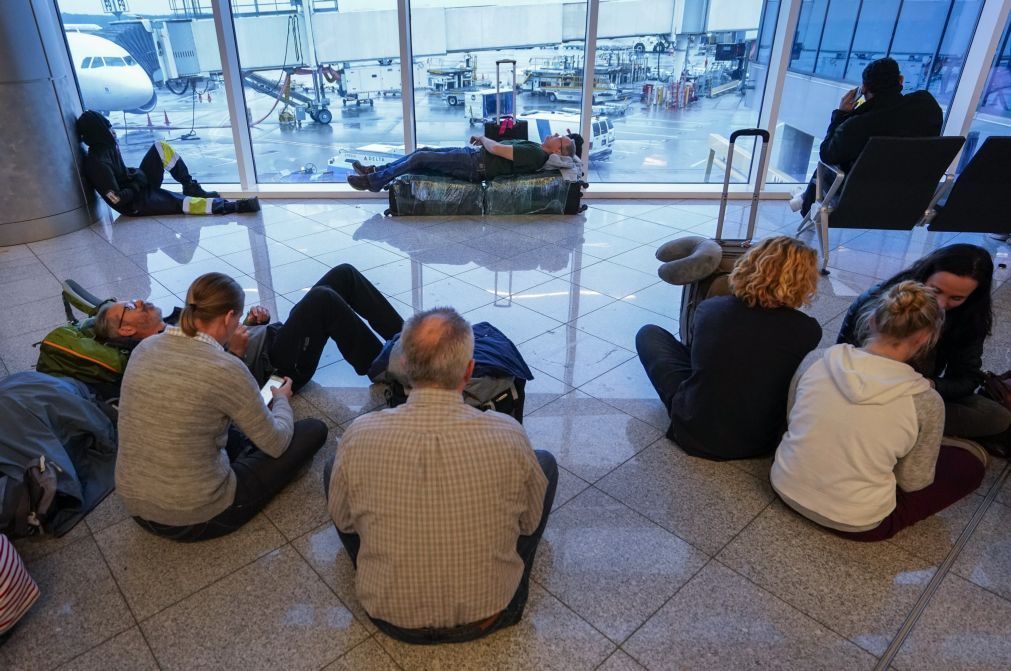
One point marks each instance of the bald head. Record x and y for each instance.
(438, 348)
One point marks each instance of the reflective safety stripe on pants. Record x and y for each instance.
(168, 155)
(193, 205)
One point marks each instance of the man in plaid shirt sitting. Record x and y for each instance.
(440, 506)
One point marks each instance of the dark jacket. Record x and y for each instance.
(954, 364)
(122, 188)
(916, 114)
(733, 405)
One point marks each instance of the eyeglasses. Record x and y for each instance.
(126, 308)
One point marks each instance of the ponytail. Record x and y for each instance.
(210, 296)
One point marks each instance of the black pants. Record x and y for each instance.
(526, 548)
(156, 200)
(667, 361)
(258, 478)
(334, 308)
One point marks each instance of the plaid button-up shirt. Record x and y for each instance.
(439, 493)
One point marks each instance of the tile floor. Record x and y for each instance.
(651, 559)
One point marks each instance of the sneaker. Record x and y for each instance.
(247, 205)
(797, 201)
(970, 446)
(194, 190)
(361, 183)
(362, 170)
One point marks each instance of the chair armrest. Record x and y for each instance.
(821, 194)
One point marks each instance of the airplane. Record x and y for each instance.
(109, 77)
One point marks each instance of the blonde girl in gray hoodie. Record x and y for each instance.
(862, 454)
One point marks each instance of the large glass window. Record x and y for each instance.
(928, 38)
(322, 85)
(457, 44)
(840, 22)
(875, 26)
(805, 41)
(993, 115)
(958, 31)
(674, 98)
(157, 75)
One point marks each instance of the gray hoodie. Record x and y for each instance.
(859, 426)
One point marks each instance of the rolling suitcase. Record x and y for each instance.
(505, 126)
(718, 282)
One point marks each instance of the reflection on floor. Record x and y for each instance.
(651, 559)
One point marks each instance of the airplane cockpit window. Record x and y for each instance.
(86, 63)
(114, 62)
(97, 62)
(129, 60)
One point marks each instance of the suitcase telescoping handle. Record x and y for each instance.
(498, 88)
(743, 132)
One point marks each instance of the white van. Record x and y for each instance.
(541, 124)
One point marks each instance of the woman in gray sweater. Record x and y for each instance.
(199, 452)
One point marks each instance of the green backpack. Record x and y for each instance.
(72, 351)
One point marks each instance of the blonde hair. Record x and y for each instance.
(904, 310)
(210, 296)
(777, 272)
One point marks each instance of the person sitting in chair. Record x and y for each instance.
(137, 192)
(876, 108)
(485, 159)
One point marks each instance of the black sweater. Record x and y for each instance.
(733, 406)
(954, 364)
(916, 114)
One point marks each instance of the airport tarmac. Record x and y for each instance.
(652, 144)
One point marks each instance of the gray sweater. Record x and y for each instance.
(179, 397)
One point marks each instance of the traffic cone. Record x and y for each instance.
(149, 124)
(208, 96)
(168, 123)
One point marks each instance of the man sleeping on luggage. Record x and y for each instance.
(484, 159)
(342, 306)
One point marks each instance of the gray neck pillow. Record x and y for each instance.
(688, 260)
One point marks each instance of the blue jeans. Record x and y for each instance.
(463, 163)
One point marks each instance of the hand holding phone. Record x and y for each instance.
(849, 100)
(275, 382)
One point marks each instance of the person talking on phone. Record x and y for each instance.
(877, 108)
(200, 453)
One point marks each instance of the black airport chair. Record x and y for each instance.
(891, 185)
(975, 203)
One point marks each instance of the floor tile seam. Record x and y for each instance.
(141, 621)
(826, 625)
(494, 297)
(97, 645)
(319, 575)
(927, 595)
(645, 517)
(582, 619)
(768, 505)
(621, 645)
(364, 641)
(28, 562)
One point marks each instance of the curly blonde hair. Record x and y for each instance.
(777, 272)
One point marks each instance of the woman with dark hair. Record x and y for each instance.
(200, 453)
(961, 277)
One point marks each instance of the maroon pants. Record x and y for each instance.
(957, 474)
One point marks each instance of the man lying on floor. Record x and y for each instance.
(336, 307)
